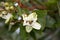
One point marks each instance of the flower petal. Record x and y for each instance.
(28, 29)
(36, 25)
(0, 15)
(7, 17)
(24, 16)
(32, 16)
(7, 20)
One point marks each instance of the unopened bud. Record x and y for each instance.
(16, 4)
(11, 7)
(6, 4)
(4, 12)
(19, 18)
(7, 8)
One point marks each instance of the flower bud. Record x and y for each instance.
(19, 18)
(6, 4)
(7, 8)
(11, 7)
(16, 4)
(4, 12)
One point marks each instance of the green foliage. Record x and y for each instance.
(48, 18)
(23, 33)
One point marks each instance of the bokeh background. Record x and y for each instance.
(49, 18)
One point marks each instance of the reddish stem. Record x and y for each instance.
(30, 8)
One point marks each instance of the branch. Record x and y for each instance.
(33, 5)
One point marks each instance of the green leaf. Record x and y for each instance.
(14, 27)
(51, 4)
(26, 11)
(57, 21)
(33, 35)
(50, 21)
(51, 1)
(24, 1)
(19, 11)
(23, 34)
(58, 4)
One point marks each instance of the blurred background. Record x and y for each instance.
(49, 18)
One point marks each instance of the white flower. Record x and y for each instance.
(7, 17)
(16, 4)
(30, 22)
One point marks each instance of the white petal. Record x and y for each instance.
(7, 17)
(7, 20)
(24, 16)
(36, 25)
(32, 16)
(0, 15)
(28, 29)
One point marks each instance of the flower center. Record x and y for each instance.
(30, 22)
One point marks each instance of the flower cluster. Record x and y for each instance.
(5, 11)
(30, 21)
